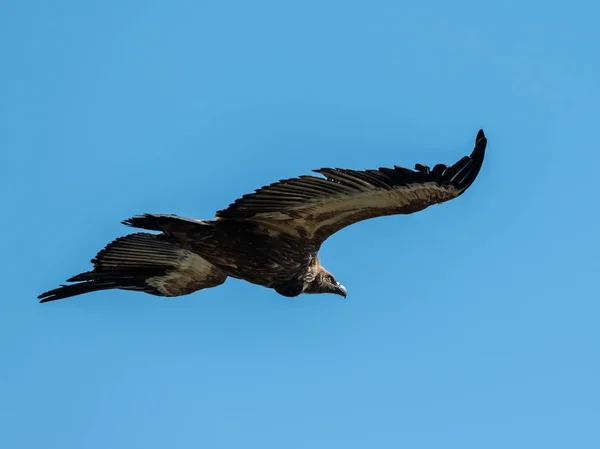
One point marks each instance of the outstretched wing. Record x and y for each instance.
(314, 208)
(143, 262)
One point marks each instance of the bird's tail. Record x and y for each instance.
(144, 262)
(162, 222)
(181, 229)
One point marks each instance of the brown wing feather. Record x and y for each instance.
(314, 208)
(143, 262)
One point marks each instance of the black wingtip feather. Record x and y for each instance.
(476, 158)
(66, 291)
(480, 135)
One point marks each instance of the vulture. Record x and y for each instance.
(270, 237)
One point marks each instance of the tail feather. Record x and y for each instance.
(143, 262)
(157, 222)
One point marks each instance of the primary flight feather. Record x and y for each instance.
(270, 237)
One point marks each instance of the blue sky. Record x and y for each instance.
(472, 324)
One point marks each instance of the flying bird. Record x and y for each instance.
(270, 237)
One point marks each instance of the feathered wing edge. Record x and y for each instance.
(354, 195)
(459, 176)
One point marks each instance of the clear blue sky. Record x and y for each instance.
(474, 324)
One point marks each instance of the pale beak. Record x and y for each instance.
(340, 290)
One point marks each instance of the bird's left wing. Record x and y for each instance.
(142, 262)
(314, 208)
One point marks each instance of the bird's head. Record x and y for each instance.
(324, 282)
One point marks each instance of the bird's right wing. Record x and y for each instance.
(314, 208)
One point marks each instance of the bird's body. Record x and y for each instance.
(270, 237)
(241, 250)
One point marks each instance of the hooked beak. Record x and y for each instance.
(340, 290)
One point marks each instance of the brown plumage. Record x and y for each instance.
(270, 237)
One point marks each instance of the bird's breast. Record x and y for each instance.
(257, 257)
